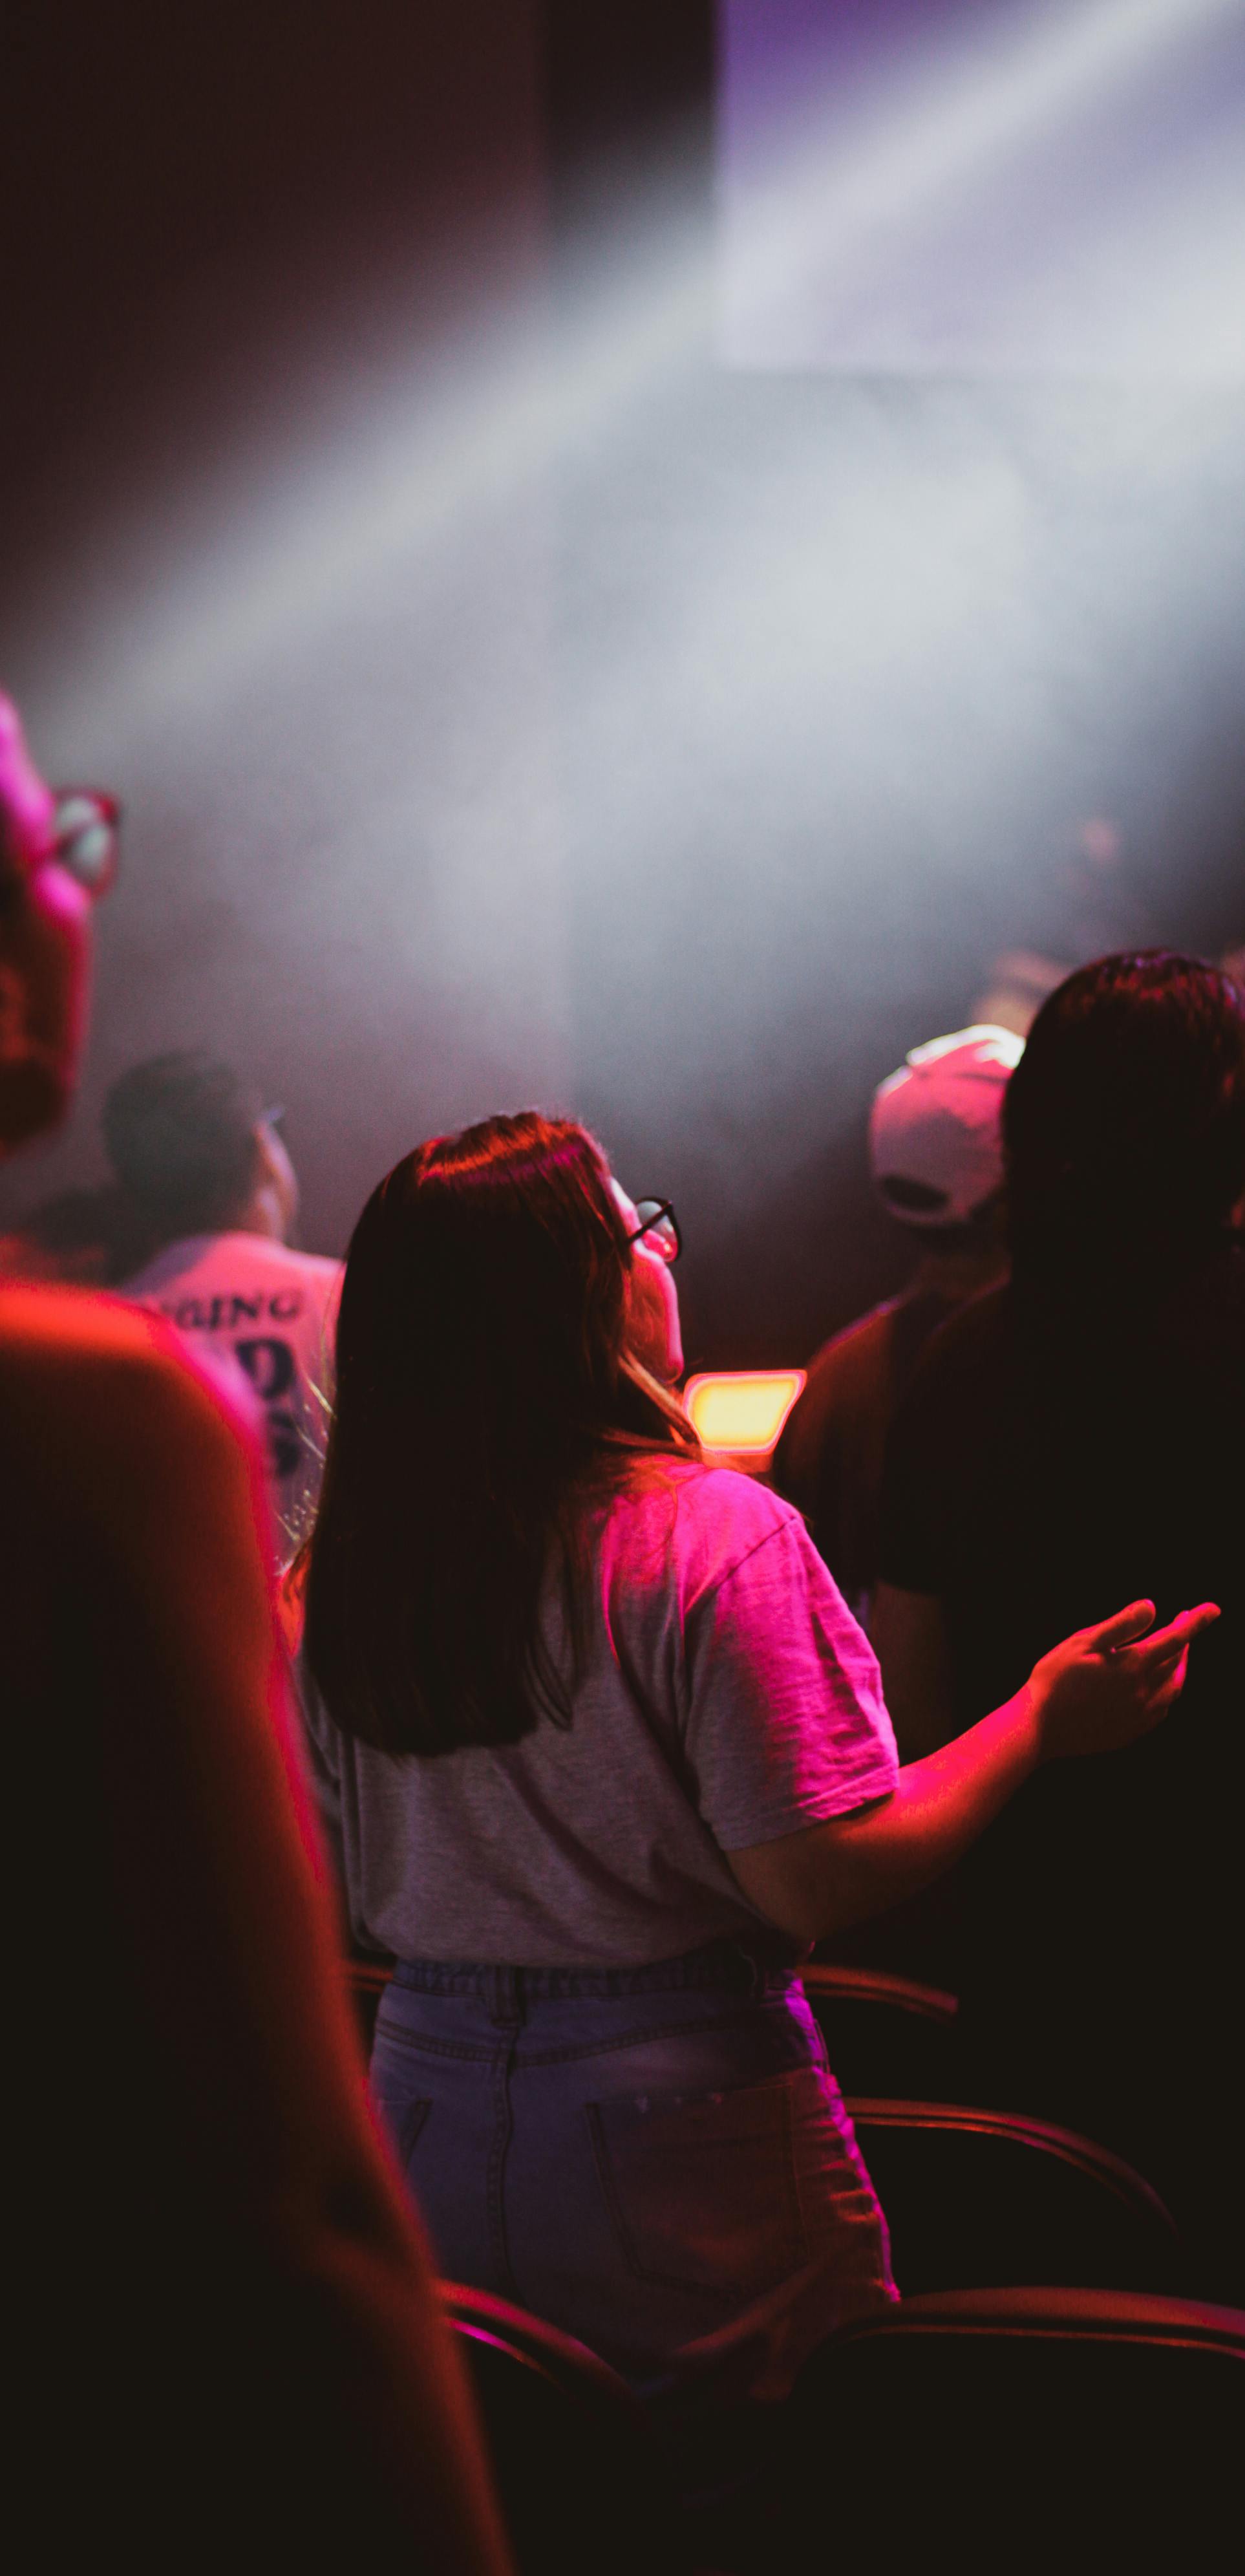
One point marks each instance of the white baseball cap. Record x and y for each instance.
(934, 1138)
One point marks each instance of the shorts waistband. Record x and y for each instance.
(717, 1967)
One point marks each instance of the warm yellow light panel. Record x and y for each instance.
(742, 1409)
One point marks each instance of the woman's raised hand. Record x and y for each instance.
(1110, 1683)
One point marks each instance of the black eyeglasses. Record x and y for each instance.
(85, 828)
(658, 1229)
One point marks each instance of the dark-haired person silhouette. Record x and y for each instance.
(1088, 1419)
(601, 1748)
(227, 2342)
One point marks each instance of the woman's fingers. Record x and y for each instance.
(1128, 1627)
(1154, 1657)
(1162, 1661)
(1161, 1688)
(1120, 1630)
(1115, 1680)
(1179, 1631)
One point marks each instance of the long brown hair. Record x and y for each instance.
(483, 1387)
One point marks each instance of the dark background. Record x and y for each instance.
(509, 702)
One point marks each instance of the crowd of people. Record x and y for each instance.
(591, 1736)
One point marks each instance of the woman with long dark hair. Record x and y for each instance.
(601, 1749)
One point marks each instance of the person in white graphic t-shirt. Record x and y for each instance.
(203, 1163)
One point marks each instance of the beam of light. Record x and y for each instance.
(473, 425)
(453, 440)
(859, 661)
(829, 198)
(828, 677)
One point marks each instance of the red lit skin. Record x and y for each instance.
(45, 957)
(222, 1877)
(654, 1329)
(273, 1203)
(278, 1183)
(1097, 1691)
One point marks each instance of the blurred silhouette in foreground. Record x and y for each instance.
(225, 2320)
(83, 1238)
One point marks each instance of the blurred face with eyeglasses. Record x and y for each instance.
(57, 852)
(654, 1328)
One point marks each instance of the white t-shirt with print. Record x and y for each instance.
(258, 1308)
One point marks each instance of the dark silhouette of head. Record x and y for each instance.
(1124, 1122)
(181, 1131)
(484, 1382)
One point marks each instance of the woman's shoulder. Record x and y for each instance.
(710, 1517)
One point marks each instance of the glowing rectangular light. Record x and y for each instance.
(742, 1410)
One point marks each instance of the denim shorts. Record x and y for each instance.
(656, 2159)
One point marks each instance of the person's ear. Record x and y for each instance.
(275, 1186)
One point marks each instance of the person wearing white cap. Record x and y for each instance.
(937, 1161)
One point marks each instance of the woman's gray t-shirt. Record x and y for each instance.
(728, 1697)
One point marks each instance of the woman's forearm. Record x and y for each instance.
(838, 1873)
(885, 1853)
(1099, 1689)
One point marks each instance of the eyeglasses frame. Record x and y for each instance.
(107, 811)
(660, 1208)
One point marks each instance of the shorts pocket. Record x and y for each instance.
(702, 2188)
